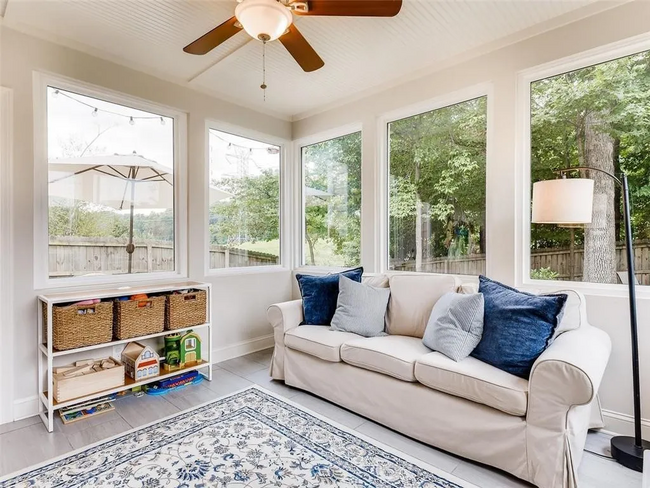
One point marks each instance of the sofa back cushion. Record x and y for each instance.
(412, 298)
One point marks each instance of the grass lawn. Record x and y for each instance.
(324, 254)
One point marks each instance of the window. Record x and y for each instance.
(244, 202)
(437, 190)
(110, 181)
(332, 199)
(598, 116)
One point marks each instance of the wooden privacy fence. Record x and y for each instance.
(567, 263)
(74, 256)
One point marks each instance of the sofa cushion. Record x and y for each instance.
(320, 294)
(411, 300)
(474, 380)
(361, 308)
(517, 326)
(390, 355)
(455, 325)
(317, 340)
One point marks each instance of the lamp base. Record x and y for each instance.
(625, 452)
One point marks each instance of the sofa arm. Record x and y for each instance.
(563, 383)
(283, 317)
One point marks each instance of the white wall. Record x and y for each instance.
(500, 68)
(239, 302)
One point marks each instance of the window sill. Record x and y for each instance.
(248, 270)
(588, 289)
(102, 281)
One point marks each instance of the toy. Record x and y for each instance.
(190, 349)
(172, 352)
(140, 361)
(177, 382)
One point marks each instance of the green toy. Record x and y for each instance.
(172, 352)
(190, 349)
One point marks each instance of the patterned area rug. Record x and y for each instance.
(248, 439)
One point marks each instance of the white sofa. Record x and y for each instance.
(534, 429)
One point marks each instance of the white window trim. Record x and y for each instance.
(382, 180)
(6, 255)
(298, 227)
(42, 280)
(585, 59)
(285, 199)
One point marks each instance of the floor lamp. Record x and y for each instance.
(569, 201)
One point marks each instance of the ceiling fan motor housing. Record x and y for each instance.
(265, 20)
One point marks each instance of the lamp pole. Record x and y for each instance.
(627, 451)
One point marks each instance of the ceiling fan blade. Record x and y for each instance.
(301, 50)
(353, 8)
(207, 42)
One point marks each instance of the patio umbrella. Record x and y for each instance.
(118, 181)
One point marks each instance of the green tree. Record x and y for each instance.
(332, 172)
(597, 117)
(251, 214)
(437, 183)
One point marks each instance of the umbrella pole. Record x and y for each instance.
(130, 247)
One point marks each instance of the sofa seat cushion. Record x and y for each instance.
(474, 380)
(391, 355)
(318, 340)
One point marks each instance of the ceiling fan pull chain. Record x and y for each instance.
(263, 85)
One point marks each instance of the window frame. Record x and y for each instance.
(42, 280)
(383, 177)
(213, 124)
(523, 197)
(299, 184)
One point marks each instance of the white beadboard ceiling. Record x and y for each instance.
(360, 54)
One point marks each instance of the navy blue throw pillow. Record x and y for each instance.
(320, 294)
(517, 326)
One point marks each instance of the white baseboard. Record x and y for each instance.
(26, 407)
(623, 424)
(242, 348)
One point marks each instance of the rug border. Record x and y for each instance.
(396, 452)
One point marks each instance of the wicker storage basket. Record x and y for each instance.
(185, 310)
(134, 318)
(76, 326)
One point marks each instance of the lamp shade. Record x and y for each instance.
(565, 201)
(265, 20)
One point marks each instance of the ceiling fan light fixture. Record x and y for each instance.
(265, 20)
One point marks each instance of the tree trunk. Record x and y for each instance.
(600, 239)
(310, 243)
(618, 202)
(418, 220)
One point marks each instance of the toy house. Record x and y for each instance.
(190, 349)
(140, 361)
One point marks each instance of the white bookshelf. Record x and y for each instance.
(49, 358)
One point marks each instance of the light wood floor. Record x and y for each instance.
(26, 442)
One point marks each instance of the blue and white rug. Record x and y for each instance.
(249, 439)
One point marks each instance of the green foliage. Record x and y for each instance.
(544, 274)
(253, 212)
(619, 92)
(333, 167)
(82, 219)
(438, 158)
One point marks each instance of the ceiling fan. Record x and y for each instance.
(268, 20)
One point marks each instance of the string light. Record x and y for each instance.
(95, 110)
(268, 149)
